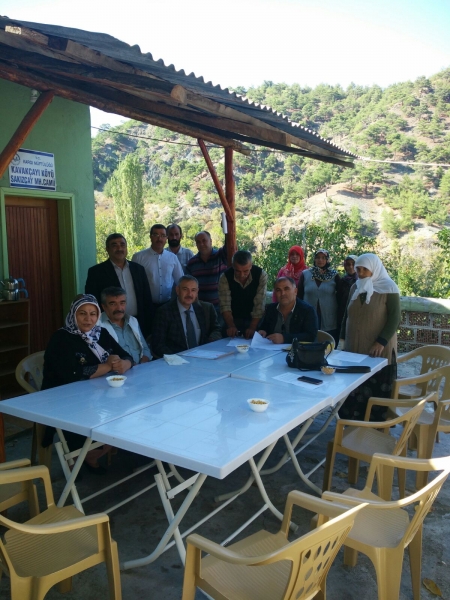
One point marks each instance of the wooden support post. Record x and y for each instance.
(213, 173)
(28, 122)
(230, 196)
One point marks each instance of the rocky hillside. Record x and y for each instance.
(397, 204)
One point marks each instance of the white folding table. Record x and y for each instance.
(338, 386)
(193, 415)
(80, 407)
(211, 431)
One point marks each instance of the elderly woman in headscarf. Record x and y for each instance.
(294, 266)
(81, 350)
(320, 286)
(370, 327)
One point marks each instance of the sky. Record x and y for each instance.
(245, 42)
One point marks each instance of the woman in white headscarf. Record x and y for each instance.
(82, 350)
(370, 327)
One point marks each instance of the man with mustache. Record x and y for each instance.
(123, 327)
(184, 322)
(117, 271)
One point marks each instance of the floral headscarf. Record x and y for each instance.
(379, 282)
(90, 337)
(327, 272)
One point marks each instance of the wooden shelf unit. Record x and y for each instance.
(14, 338)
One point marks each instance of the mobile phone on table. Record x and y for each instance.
(310, 380)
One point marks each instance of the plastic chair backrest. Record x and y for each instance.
(433, 357)
(29, 372)
(323, 336)
(411, 417)
(312, 556)
(423, 498)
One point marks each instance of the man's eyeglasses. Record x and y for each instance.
(161, 236)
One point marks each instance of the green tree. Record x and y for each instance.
(104, 225)
(126, 190)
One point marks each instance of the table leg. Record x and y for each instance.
(71, 475)
(265, 497)
(174, 524)
(250, 480)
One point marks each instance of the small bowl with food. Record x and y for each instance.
(243, 348)
(258, 404)
(116, 380)
(328, 370)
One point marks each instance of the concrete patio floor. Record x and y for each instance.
(138, 525)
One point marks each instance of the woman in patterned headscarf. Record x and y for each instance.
(320, 286)
(294, 266)
(82, 350)
(370, 327)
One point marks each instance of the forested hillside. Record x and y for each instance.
(396, 209)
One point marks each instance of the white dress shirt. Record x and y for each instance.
(163, 272)
(126, 282)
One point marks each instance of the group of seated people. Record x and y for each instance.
(108, 329)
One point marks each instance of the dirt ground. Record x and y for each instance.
(137, 526)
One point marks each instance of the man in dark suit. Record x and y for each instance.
(117, 271)
(290, 317)
(184, 322)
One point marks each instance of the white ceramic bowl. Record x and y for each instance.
(328, 370)
(258, 404)
(116, 380)
(242, 348)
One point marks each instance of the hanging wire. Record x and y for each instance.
(361, 158)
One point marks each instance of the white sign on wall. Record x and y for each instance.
(32, 169)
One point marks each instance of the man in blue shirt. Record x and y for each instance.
(123, 328)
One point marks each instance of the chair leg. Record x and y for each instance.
(388, 567)
(44, 454)
(425, 446)
(192, 566)
(65, 586)
(33, 445)
(328, 471)
(415, 562)
(353, 470)
(385, 478)
(113, 570)
(350, 556)
(33, 501)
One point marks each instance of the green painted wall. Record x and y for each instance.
(64, 130)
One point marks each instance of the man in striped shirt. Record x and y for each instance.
(207, 266)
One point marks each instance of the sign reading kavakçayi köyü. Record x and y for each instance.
(32, 169)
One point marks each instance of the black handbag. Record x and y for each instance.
(308, 356)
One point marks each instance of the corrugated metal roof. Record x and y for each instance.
(108, 46)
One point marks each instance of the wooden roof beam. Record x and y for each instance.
(21, 133)
(108, 105)
(44, 65)
(79, 52)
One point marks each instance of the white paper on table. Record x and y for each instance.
(258, 342)
(174, 359)
(352, 357)
(293, 379)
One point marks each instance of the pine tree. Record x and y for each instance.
(126, 189)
